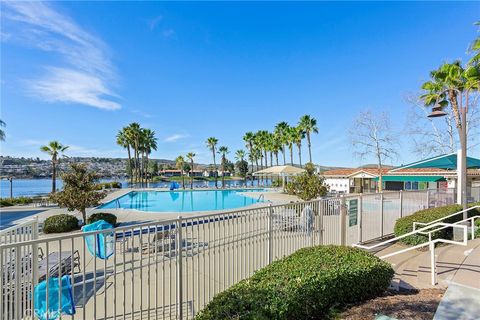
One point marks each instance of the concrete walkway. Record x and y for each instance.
(459, 303)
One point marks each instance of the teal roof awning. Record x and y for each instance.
(412, 178)
(446, 161)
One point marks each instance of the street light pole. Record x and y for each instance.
(462, 162)
(463, 142)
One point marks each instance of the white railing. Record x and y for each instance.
(415, 224)
(163, 269)
(23, 231)
(430, 243)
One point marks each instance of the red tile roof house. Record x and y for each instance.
(364, 180)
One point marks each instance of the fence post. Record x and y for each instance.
(428, 198)
(18, 279)
(433, 266)
(270, 234)
(179, 269)
(343, 214)
(2, 316)
(35, 252)
(401, 203)
(381, 212)
(360, 214)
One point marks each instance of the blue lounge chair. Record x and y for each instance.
(66, 304)
(100, 245)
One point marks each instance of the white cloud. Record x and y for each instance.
(67, 85)
(85, 56)
(175, 137)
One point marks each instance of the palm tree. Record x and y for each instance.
(308, 125)
(190, 157)
(2, 132)
(54, 149)
(223, 151)
(134, 131)
(123, 141)
(240, 155)
(150, 143)
(180, 164)
(297, 136)
(281, 131)
(290, 139)
(249, 139)
(212, 145)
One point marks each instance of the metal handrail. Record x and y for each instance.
(446, 217)
(431, 243)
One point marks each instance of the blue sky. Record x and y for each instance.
(79, 71)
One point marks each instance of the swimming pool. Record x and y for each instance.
(183, 201)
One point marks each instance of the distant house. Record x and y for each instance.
(195, 173)
(171, 173)
(208, 173)
(224, 173)
(365, 180)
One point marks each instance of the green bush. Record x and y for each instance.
(7, 202)
(116, 185)
(405, 225)
(304, 285)
(108, 217)
(60, 223)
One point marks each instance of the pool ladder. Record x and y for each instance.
(261, 197)
(117, 204)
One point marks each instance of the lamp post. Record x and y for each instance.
(437, 111)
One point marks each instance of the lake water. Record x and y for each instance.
(33, 187)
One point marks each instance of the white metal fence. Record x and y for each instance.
(23, 231)
(170, 269)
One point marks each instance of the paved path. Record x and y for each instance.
(459, 303)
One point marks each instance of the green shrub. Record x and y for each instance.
(304, 285)
(6, 203)
(60, 223)
(477, 225)
(116, 185)
(405, 225)
(107, 217)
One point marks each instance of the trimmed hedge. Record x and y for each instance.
(7, 202)
(60, 223)
(405, 225)
(304, 285)
(107, 217)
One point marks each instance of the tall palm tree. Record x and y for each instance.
(297, 136)
(290, 139)
(249, 139)
(212, 145)
(2, 132)
(223, 151)
(282, 131)
(123, 141)
(54, 149)
(150, 143)
(240, 155)
(190, 157)
(309, 125)
(180, 164)
(134, 131)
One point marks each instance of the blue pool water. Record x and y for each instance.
(183, 201)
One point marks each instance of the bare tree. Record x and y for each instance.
(432, 137)
(371, 136)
